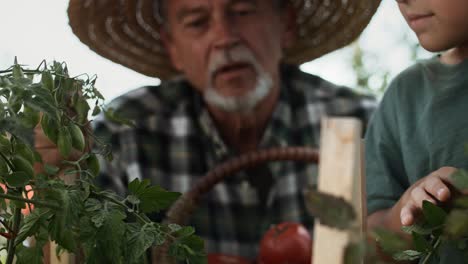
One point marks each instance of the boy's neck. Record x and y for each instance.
(455, 55)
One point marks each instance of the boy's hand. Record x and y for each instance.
(435, 188)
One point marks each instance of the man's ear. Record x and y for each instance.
(169, 46)
(290, 27)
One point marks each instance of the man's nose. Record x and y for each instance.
(226, 34)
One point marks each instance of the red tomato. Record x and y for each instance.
(286, 243)
(217, 258)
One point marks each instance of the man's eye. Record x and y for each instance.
(195, 23)
(244, 11)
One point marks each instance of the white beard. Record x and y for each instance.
(238, 104)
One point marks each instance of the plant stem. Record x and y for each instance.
(11, 242)
(122, 205)
(35, 202)
(429, 255)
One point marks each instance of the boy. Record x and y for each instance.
(416, 137)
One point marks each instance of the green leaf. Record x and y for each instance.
(330, 210)
(390, 241)
(30, 117)
(457, 224)
(64, 142)
(155, 199)
(20, 164)
(111, 237)
(433, 214)
(420, 228)
(18, 179)
(139, 239)
(460, 179)
(191, 247)
(354, 253)
(461, 202)
(408, 255)
(112, 116)
(96, 110)
(42, 102)
(47, 81)
(92, 204)
(5, 145)
(3, 168)
(420, 243)
(29, 255)
(137, 187)
(82, 109)
(30, 226)
(51, 170)
(26, 152)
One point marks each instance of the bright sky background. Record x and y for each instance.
(34, 30)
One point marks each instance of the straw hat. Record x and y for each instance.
(126, 31)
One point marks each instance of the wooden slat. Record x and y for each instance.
(339, 175)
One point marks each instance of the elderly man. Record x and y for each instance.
(230, 85)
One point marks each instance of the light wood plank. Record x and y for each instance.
(339, 175)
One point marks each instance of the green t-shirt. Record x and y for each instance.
(420, 126)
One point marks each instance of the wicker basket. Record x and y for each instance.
(182, 209)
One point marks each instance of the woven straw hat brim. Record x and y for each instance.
(127, 32)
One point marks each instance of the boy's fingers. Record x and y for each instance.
(418, 195)
(437, 188)
(407, 214)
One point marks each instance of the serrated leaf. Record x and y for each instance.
(30, 117)
(433, 214)
(420, 243)
(111, 237)
(457, 224)
(354, 253)
(47, 81)
(461, 202)
(29, 255)
(140, 239)
(155, 199)
(112, 116)
(96, 110)
(26, 152)
(5, 145)
(137, 186)
(460, 179)
(390, 241)
(30, 226)
(82, 109)
(20, 164)
(18, 179)
(92, 204)
(330, 210)
(191, 247)
(407, 255)
(51, 170)
(419, 228)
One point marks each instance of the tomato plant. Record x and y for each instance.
(75, 214)
(287, 242)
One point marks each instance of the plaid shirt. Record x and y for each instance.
(175, 142)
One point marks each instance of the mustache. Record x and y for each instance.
(236, 56)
